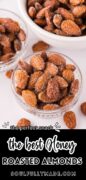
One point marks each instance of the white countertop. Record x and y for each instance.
(11, 112)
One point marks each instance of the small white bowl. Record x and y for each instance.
(70, 43)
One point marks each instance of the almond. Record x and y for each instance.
(83, 108)
(56, 59)
(51, 68)
(53, 91)
(29, 98)
(23, 123)
(49, 107)
(67, 100)
(40, 46)
(32, 12)
(61, 82)
(76, 2)
(42, 96)
(57, 19)
(10, 25)
(79, 11)
(21, 78)
(21, 35)
(42, 82)
(25, 66)
(68, 75)
(70, 67)
(71, 28)
(70, 119)
(37, 62)
(66, 14)
(33, 79)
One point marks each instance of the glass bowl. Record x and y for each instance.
(11, 64)
(51, 113)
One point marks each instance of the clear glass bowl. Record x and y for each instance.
(11, 64)
(52, 113)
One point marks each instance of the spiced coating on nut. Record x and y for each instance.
(53, 91)
(42, 82)
(21, 78)
(49, 107)
(33, 79)
(37, 62)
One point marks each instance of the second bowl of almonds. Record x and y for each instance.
(60, 23)
(47, 84)
(13, 39)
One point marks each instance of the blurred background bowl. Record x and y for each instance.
(70, 43)
(12, 62)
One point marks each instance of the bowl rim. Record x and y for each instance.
(23, 50)
(28, 108)
(46, 33)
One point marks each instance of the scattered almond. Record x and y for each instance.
(40, 46)
(70, 119)
(23, 123)
(83, 108)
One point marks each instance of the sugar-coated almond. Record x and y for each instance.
(42, 96)
(61, 82)
(49, 107)
(53, 91)
(56, 59)
(29, 98)
(33, 79)
(21, 78)
(51, 68)
(42, 82)
(37, 62)
(71, 28)
(68, 75)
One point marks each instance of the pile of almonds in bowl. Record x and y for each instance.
(46, 82)
(61, 17)
(11, 39)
